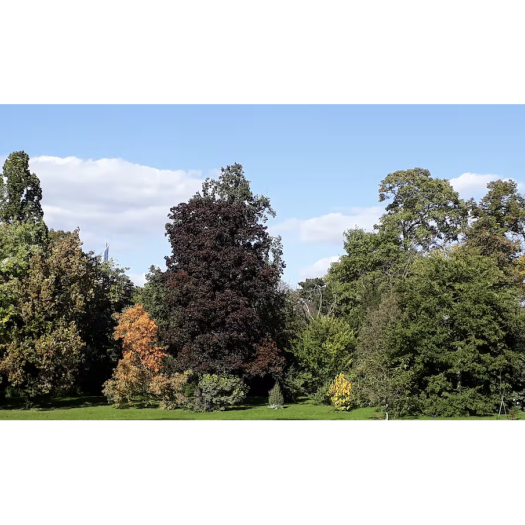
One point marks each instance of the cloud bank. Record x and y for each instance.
(111, 198)
(319, 268)
(329, 228)
(475, 184)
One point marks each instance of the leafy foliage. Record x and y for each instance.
(153, 297)
(222, 286)
(216, 392)
(325, 348)
(460, 335)
(41, 344)
(341, 393)
(377, 380)
(140, 375)
(373, 263)
(425, 212)
(18, 243)
(498, 227)
(317, 297)
(113, 292)
(20, 194)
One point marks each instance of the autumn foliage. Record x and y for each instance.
(340, 393)
(140, 374)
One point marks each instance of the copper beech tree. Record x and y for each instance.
(222, 281)
(140, 372)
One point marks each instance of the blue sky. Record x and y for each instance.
(114, 171)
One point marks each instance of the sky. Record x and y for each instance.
(115, 171)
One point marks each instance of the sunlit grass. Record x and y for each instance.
(96, 408)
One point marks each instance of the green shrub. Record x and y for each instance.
(325, 348)
(218, 392)
(322, 396)
(276, 399)
(296, 383)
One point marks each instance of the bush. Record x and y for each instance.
(215, 392)
(340, 393)
(276, 399)
(170, 389)
(296, 383)
(322, 396)
(324, 348)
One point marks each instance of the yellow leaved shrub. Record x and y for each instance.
(340, 393)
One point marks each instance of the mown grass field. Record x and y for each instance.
(96, 408)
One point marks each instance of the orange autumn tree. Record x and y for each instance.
(140, 374)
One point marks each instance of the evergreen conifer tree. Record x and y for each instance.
(276, 399)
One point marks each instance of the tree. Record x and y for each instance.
(113, 292)
(460, 336)
(498, 223)
(138, 375)
(373, 263)
(220, 286)
(424, 212)
(232, 187)
(340, 393)
(325, 348)
(153, 297)
(505, 206)
(378, 379)
(41, 347)
(317, 297)
(18, 243)
(20, 193)
(275, 397)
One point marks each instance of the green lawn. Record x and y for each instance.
(255, 409)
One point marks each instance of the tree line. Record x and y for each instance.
(422, 315)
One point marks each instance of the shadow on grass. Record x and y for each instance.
(54, 404)
(255, 401)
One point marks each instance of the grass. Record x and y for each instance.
(96, 408)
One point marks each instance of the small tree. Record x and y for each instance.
(377, 380)
(324, 348)
(276, 399)
(142, 358)
(340, 393)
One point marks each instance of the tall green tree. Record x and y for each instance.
(424, 212)
(113, 292)
(372, 264)
(41, 348)
(460, 336)
(19, 242)
(317, 297)
(20, 192)
(153, 298)
(498, 223)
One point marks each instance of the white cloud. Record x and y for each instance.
(111, 198)
(138, 278)
(473, 184)
(319, 268)
(329, 228)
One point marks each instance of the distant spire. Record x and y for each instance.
(106, 252)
